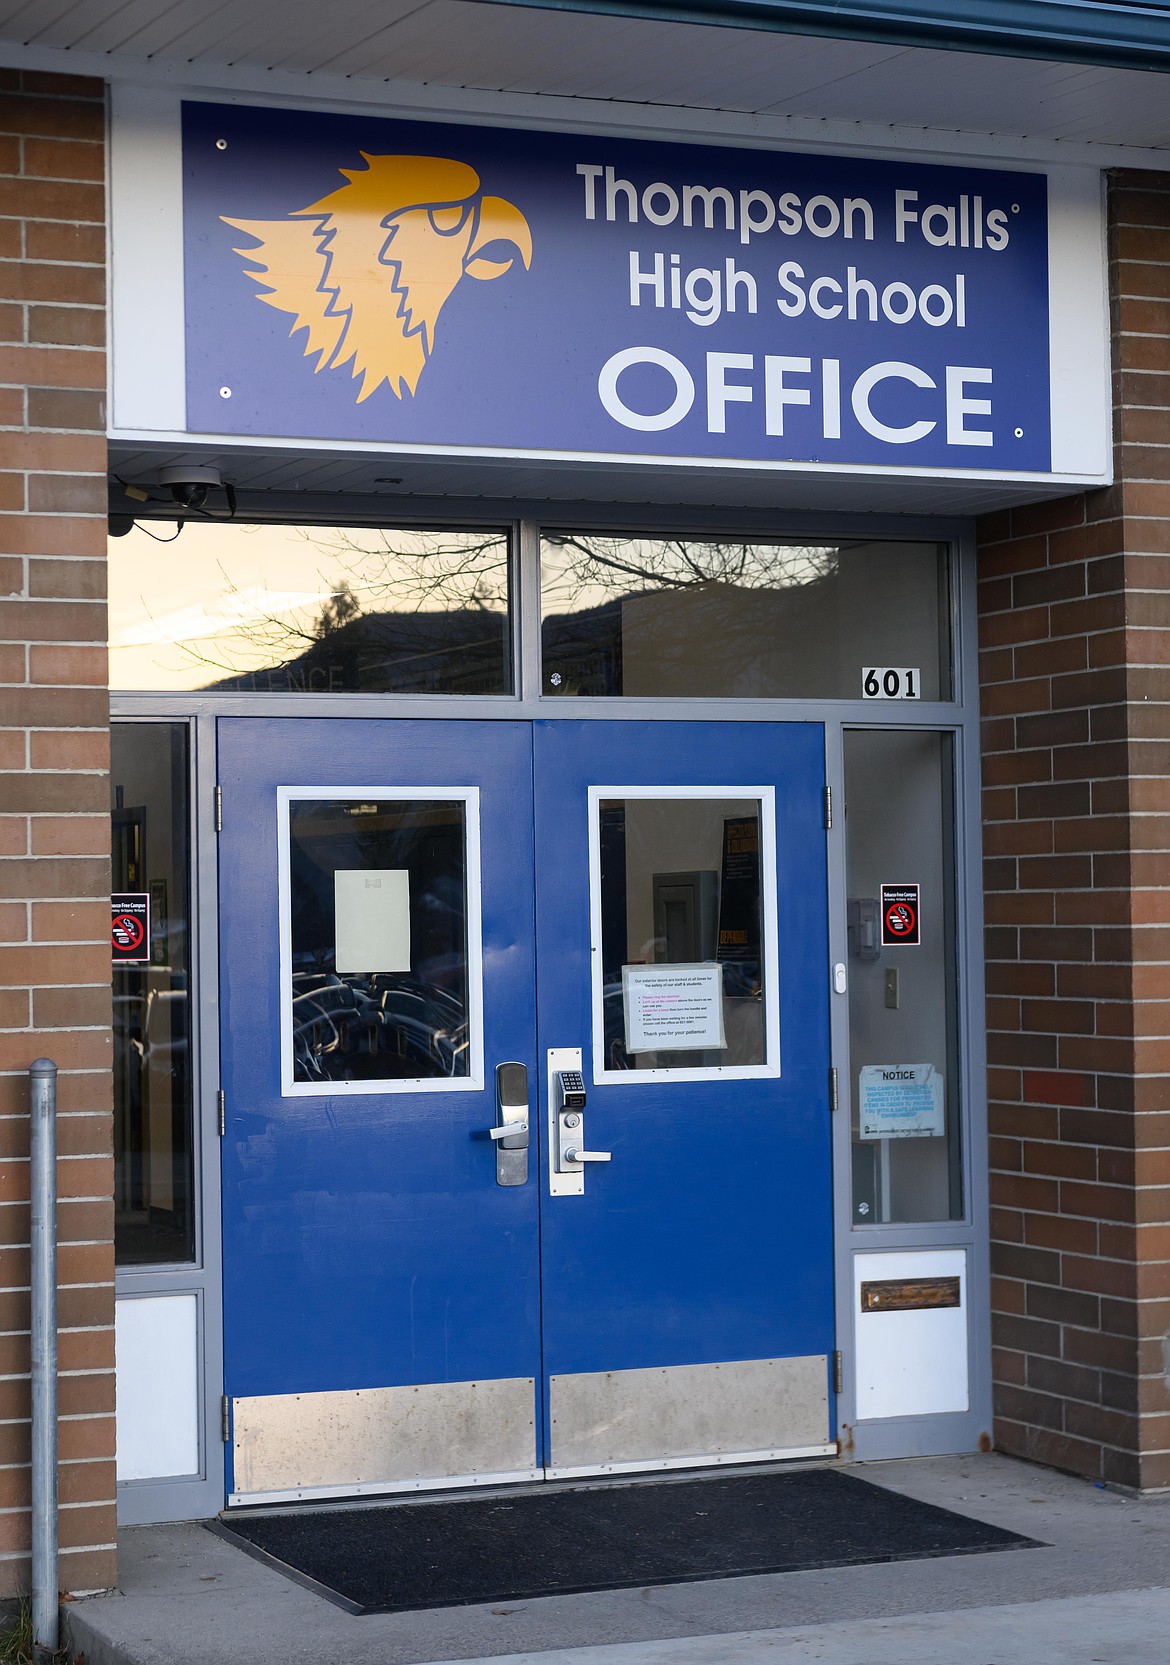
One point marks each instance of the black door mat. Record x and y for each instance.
(555, 1541)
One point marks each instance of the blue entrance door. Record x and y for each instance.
(410, 1301)
(381, 1289)
(682, 947)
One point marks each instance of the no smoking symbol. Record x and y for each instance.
(901, 919)
(127, 932)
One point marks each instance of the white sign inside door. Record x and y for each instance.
(900, 1101)
(673, 1008)
(372, 931)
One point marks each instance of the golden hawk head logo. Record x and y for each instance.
(368, 269)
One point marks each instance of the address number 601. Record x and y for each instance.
(884, 682)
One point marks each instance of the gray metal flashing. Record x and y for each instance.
(1133, 36)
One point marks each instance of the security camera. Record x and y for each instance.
(189, 486)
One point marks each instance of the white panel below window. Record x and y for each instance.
(911, 1363)
(158, 1386)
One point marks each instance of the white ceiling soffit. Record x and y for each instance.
(386, 485)
(460, 56)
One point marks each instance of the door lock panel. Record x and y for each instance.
(566, 1112)
(510, 1134)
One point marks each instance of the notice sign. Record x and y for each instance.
(900, 1101)
(130, 928)
(901, 915)
(372, 921)
(673, 1008)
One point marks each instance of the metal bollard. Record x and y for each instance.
(43, 1244)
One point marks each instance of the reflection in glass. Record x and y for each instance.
(903, 998)
(310, 609)
(677, 617)
(153, 1196)
(379, 940)
(681, 889)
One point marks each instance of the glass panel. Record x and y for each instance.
(379, 940)
(310, 609)
(673, 617)
(682, 922)
(903, 998)
(154, 1218)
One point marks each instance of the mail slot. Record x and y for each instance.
(909, 1294)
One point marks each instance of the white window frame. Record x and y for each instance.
(468, 796)
(770, 1069)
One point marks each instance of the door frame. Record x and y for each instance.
(202, 1496)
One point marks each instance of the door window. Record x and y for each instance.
(380, 955)
(154, 1213)
(903, 995)
(683, 898)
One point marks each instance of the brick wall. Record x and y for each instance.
(54, 794)
(1075, 621)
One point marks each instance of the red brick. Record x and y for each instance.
(66, 367)
(51, 199)
(66, 326)
(64, 159)
(65, 240)
(66, 408)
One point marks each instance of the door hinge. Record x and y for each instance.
(838, 1375)
(833, 1090)
(221, 1111)
(219, 809)
(828, 808)
(225, 1419)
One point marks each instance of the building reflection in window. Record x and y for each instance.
(260, 608)
(725, 618)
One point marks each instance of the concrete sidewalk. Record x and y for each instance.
(1097, 1593)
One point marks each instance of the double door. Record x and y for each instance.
(615, 1252)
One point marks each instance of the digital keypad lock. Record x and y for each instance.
(571, 1088)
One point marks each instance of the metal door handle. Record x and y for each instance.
(508, 1130)
(510, 1134)
(574, 1155)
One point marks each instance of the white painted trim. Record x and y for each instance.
(1081, 419)
(723, 1460)
(470, 1083)
(148, 381)
(631, 461)
(770, 1070)
(375, 1488)
(232, 83)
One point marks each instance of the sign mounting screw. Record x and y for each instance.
(221, 144)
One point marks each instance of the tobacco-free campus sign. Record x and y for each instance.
(349, 278)
(130, 927)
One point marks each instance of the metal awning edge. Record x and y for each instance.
(1078, 31)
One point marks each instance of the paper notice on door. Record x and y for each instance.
(673, 1008)
(900, 1101)
(373, 920)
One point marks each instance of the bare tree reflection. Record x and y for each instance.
(401, 610)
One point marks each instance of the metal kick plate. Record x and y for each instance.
(301, 1441)
(689, 1410)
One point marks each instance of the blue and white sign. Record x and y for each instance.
(900, 1101)
(356, 279)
